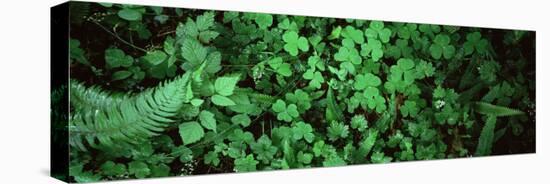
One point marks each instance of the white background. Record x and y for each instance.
(24, 91)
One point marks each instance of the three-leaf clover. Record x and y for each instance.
(300, 98)
(315, 77)
(293, 42)
(280, 67)
(263, 149)
(284, 112)
(348, 52)
(442, 47)
(372, 48)
(376, 30)
(303, 130)
(401, 75)
(475, 43)
(409, 108)
(353, 34)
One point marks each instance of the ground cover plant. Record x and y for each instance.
(170, 92)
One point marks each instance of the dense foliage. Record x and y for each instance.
(168, 92)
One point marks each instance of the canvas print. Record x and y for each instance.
(149, 91)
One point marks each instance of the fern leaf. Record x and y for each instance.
(112, 118)
(485, 143)
(333, 113)
(490, 109)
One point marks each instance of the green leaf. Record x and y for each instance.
(205, 21)
(263, 20)
(490, 109)
(245, 164)
(294, 42)
(193, 51)
(207, 120)
(225, 85)
(111, 168)
(485, 142)
(123, 74)
(139, 169)
(129, 14)
(190, 132)
(160, 170)
(241, 119)
(212, 158)
(222, 100)
(337, 131)
(155, 57)
(303, 130)
(116, 58)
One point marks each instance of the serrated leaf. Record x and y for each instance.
(225, 85)
(222, 100)
(207, 120)
(190, 132)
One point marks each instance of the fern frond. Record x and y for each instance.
(115, 118)
(485, 143)
(490, 109)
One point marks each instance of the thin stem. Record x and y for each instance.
(119, 38)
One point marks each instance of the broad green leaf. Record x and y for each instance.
(207, 120)
(193, 51)
(129, 14)
(222, 100)
(485, 142)
(226, 84)
(241, 119)
(123, 74)
(155, 57)
(190, 132)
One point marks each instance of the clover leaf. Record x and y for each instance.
(475, 43)
(280, 67)
(263, 20)
(348, 52)
(372, 48)
(353, 34)
(303, 130)
(376, 30)
(284, 112)
(315, 77)
(245, 164)
(409, 108)
(401, 76)
(293, 42)
(300, 98)
(263, 149)
(442, 47)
